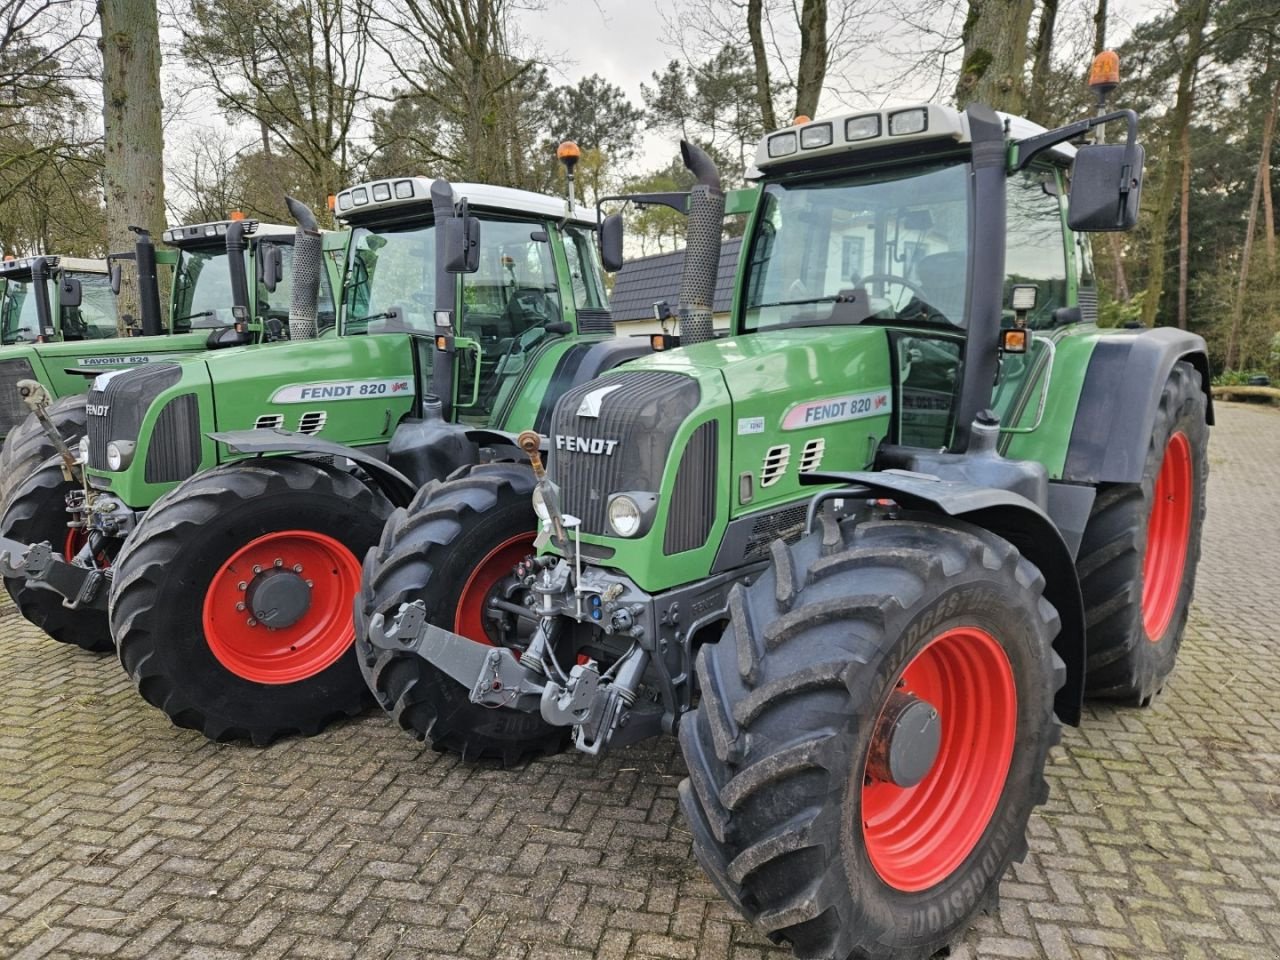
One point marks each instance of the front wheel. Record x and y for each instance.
(454, 549)
(871, 737)
(27, 446)
(231, 601)
(36, 511)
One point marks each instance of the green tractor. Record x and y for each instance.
(467, 309)
(213, 304)
(862, 556)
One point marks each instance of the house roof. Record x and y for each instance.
(643, 282)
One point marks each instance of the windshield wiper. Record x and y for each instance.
(391, 314)
(194, 316)
(793, 303)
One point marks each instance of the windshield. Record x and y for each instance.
(21, 323)
(201, 289)
(890, 245)
(391, 280)
(95, 318)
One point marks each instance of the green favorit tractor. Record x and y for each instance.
(67, 336)
(233, 495)
(862, 556)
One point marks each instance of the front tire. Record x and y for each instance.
(1140, 550)
(27, 447)
(231, 600)
(36, 511)
(453, 548)
(871, 737)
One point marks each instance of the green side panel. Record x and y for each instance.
(1045, 436)
(782, 389)
(524, 396)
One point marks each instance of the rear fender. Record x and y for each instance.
(1016, 519)
(398, 488)
(1119, 398)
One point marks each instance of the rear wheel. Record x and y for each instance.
(871, 737)
(27, 446)
(1140, 551)
(455, 548)
(231, 601)
(36, 511)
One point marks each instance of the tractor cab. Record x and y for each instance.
(55, 298)
(511, 305)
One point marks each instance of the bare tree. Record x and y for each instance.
(995, 54)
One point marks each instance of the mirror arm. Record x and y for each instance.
(679, 202)
(1032, 147)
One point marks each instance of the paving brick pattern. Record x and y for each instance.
(121, 836)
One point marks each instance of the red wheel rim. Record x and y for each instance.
(1168, 530)
(305, 647)
(76, 539)
(918, 836)
(497, 565)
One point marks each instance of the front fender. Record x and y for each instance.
(398, 488)
(1016, 519)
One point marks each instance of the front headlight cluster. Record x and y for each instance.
(82, 450)
(631, 514)
(120, 454)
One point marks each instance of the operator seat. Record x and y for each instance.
(942, 279)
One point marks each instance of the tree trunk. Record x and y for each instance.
(1040, 67)
(1264, 167)
(995, 54)
(1100, 28)
(1184, 224)
(760, 56)
(813, 57)
(133, 176)
(1196, 18)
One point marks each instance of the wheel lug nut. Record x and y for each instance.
(240, 606)
(252, 622)
(242, 586)
(257, 568)
(310, 584)
(278, 564)
(297, 568)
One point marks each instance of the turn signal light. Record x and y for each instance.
(1013, 341)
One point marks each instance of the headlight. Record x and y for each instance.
(83, 450)
(624, 516)
(119, 454)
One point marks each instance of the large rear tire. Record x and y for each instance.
(1140, 550)
(871, 737)
(453, 549)
(27, 446)
(36, 511)
(218, 560)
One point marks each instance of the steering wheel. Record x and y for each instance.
(534, 306)
(916, 290)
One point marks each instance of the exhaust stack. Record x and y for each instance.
(144, 258)
(702, 246)
(308, 254)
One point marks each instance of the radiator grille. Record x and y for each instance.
(12, 410)
(595, 321)
(775, 463)
(174, 450)
(125, 400)
(640, 417)
(787, 523)
(693, 498)
(312, 421)
(811, 456)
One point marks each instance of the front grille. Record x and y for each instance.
(787, 523)
(174, 450)
(125, 399)
(595, 321)
(631, 437)
(693, 498)
(12, 410)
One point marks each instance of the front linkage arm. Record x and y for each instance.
(82, 588)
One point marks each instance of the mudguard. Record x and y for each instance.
(1022, 523)
(398, 488)
(1118, 401)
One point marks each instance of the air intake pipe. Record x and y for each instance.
(702, 246)
(304, 296)
(144, 258)
(239, 280)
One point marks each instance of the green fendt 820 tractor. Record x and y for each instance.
(210, 288)
(863, 555)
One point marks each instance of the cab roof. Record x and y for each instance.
(393, 197)
(215, 232)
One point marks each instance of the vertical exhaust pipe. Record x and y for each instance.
(40, 270)
(702, 246)
(235, 263)
(144, 257)
(308, 258)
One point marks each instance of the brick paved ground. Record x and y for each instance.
(121, 836)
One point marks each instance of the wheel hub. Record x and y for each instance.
(278, 598)
(906, 741)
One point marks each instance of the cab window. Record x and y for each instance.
(584, 269)
(1034, 251)
(95, 318)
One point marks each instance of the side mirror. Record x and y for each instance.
(461, 239)
(611, 229)
(69, 293)
(270, 266)
(116, 274)
(1106, 184)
